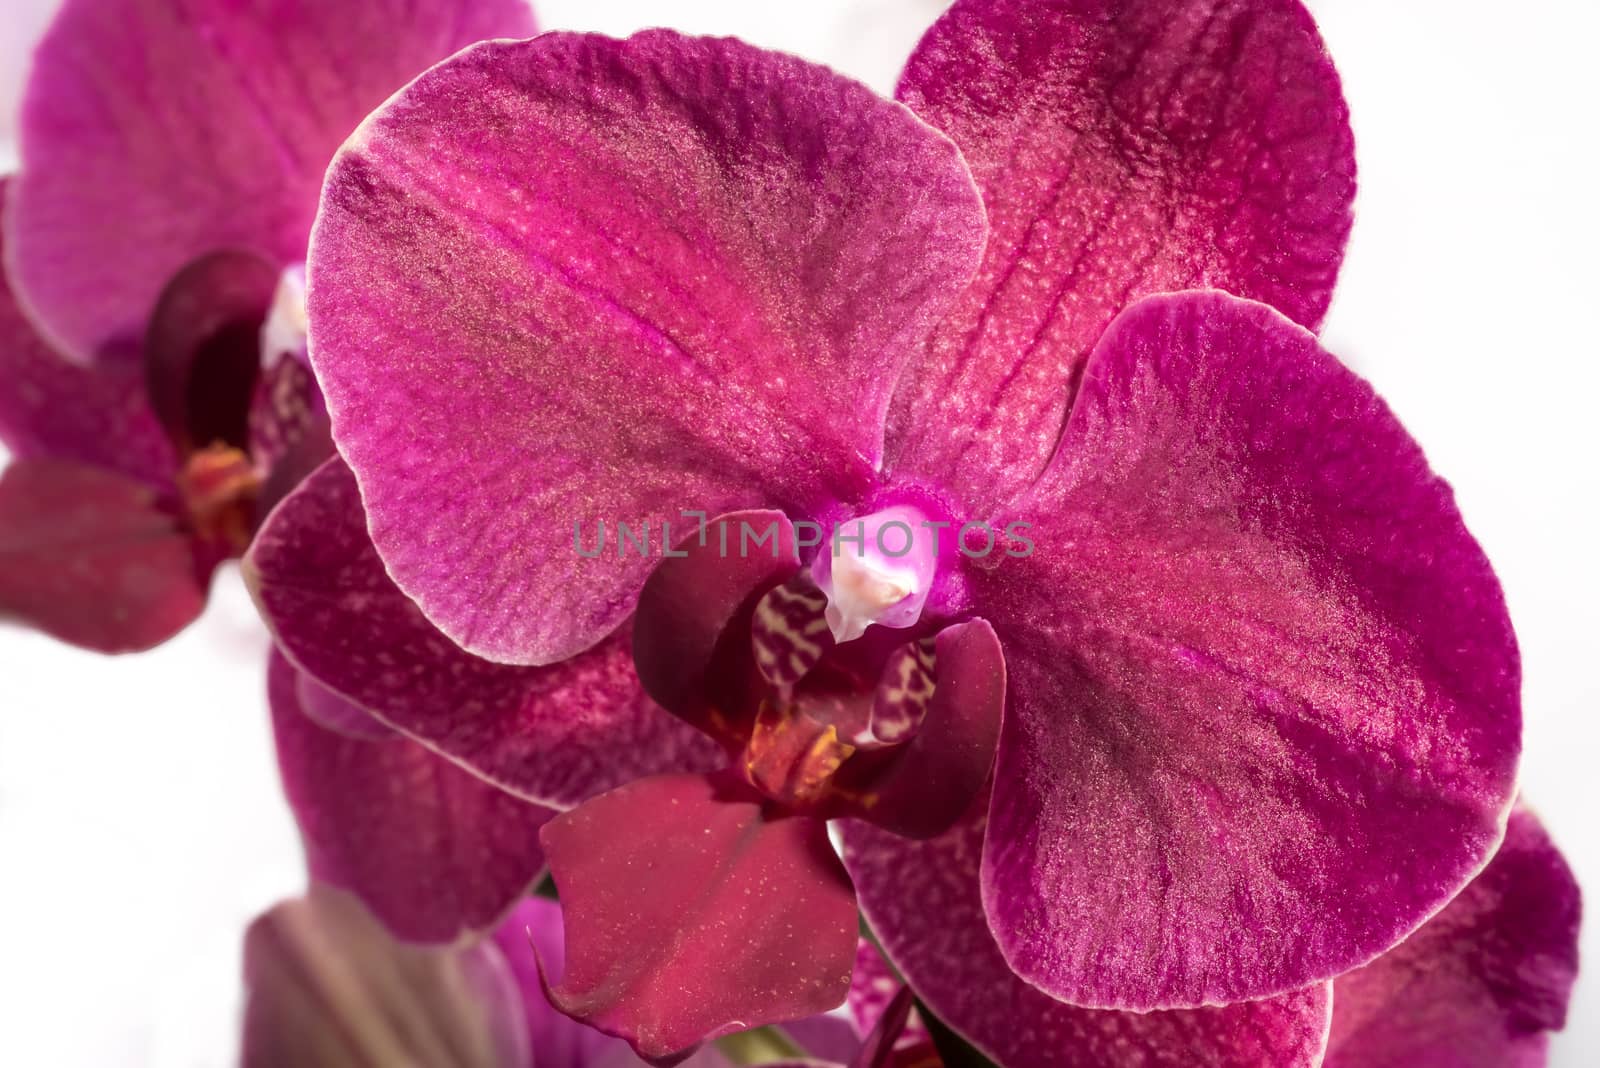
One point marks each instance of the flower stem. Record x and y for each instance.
(760, 1046)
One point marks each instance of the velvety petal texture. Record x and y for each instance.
(1123, 149)
(554, 735)
(694, 910)
(1483, 983)
(95, 558)
(434, 851)
(921, 900)
(155, 132)
(577, 281)
(1265, 715)
(328, 988)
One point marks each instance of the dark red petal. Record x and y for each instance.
(690, 603)
(922, 787)
(691, 912)
(1123, 148)
(95, 558)
(1483, 983)
(554, 735)
(435, 852)
(531, 938)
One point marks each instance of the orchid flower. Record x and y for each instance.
(329, 987)
(154, 390)
(1259, 686)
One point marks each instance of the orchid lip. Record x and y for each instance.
(878, 569)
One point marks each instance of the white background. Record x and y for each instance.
(140, 822)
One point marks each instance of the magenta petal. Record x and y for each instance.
(1265, 714)
(125, 179)
(554, 735)
(578, 280)
(435, 852)
(94, 558)
(1483, 982)
(52, 408)
(328, 988)
(922, 901)
(692, 912)
(1123, 149)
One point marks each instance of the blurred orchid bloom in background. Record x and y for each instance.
(153, 381)
(328, 987)
(1261, 712)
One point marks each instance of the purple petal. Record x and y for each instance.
(874, 986)
(561, 1042)
(692, 912)
(1123, 149)
(922, 901)
(878, 1049)
(95, 558)
(828, 1037)
(554, 735)
(1480, 984)
(328, 988)
(432, 850)
(125, 179)
(1265, 713)
(577, 281)
(52, 408)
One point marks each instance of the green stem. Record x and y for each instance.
(761, 1046)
